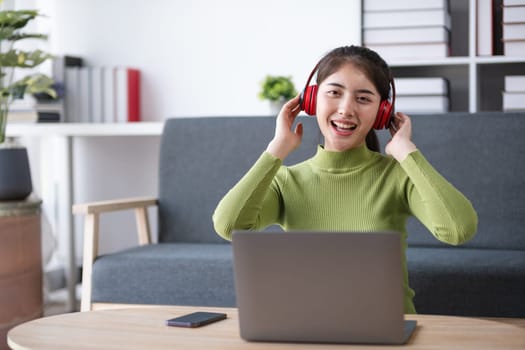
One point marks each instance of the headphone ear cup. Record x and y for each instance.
(309, 100)
(384, 114)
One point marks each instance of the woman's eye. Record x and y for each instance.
(332, 93)
(363, 99)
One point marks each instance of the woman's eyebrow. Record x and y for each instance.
(365, 91)
(361, 91)
(337, 85)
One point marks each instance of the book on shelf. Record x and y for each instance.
(127, 94)
(84, 95)
(484, 28)
(513, 31)
(60, 63)
(38, 113)
(97, 94)
(72, 98)
(513, 101)
(22, 116)
(108, 92)
(514, 14)
(389, 5)
(421, 86)
(497, 27)
(514, 93)
(412, 51)
(405, 35)
(515, 83)
(514, 48)
(414, 18)
(513, 2)
(422, 104)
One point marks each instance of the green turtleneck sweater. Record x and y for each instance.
(355, 190)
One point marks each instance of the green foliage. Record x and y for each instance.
(11, 24)
(277, 88)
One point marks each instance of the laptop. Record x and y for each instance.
(320, 287)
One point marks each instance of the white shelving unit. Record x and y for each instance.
(476, 82)
(84, 129)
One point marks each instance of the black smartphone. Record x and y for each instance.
(196, 319)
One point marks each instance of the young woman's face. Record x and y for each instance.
(347, 104)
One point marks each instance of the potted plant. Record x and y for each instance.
(277, 90)
(15, 176)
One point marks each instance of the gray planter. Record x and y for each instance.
(15, 174)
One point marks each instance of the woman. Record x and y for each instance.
(347, 185)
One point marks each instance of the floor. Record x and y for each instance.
(55, 302)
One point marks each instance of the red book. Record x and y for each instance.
(128, 95)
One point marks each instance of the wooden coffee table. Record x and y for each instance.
(144, 328)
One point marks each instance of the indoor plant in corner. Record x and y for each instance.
(15, 175)
(277, 90)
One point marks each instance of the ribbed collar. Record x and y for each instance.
(333, 161)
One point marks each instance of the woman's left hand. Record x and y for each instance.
(401, 145)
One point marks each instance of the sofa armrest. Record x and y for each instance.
(92, 213)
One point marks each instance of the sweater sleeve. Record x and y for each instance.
(445, 211)
(252, 203)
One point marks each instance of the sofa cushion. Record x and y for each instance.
(168, 273)
(467, 281)
(201, 159)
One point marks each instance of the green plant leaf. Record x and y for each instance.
(6, 32)
(17, 18)
(32, 84)
(23, 59)
(11, 22)
(275, 88)
(21, 36)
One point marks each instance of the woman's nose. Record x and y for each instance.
(346, 106)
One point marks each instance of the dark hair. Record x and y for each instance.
(370, 63)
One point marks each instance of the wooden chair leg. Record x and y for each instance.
(91, 231)
(141, 216)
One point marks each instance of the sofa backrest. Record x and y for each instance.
(482, 155)
(202, 158)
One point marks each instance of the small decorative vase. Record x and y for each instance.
(15, 174)
(276, 106)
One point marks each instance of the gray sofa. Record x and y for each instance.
(201, 158)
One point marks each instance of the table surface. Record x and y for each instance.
(144, 328)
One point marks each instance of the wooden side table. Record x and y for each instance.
(20, 264)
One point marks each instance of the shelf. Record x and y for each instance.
(457, 61)
(85, 129)
(438, 62)
(499, 60)
(475, 82)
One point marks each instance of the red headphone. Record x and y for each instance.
(308, 103)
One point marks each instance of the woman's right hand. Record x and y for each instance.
(285, 141)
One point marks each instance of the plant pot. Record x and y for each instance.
(276, 106)
(15, 174)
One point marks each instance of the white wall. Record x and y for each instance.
(197, 57)
(203, 57)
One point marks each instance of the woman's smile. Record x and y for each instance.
(343, 127)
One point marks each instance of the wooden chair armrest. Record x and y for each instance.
(114, 205)
(92, 213)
